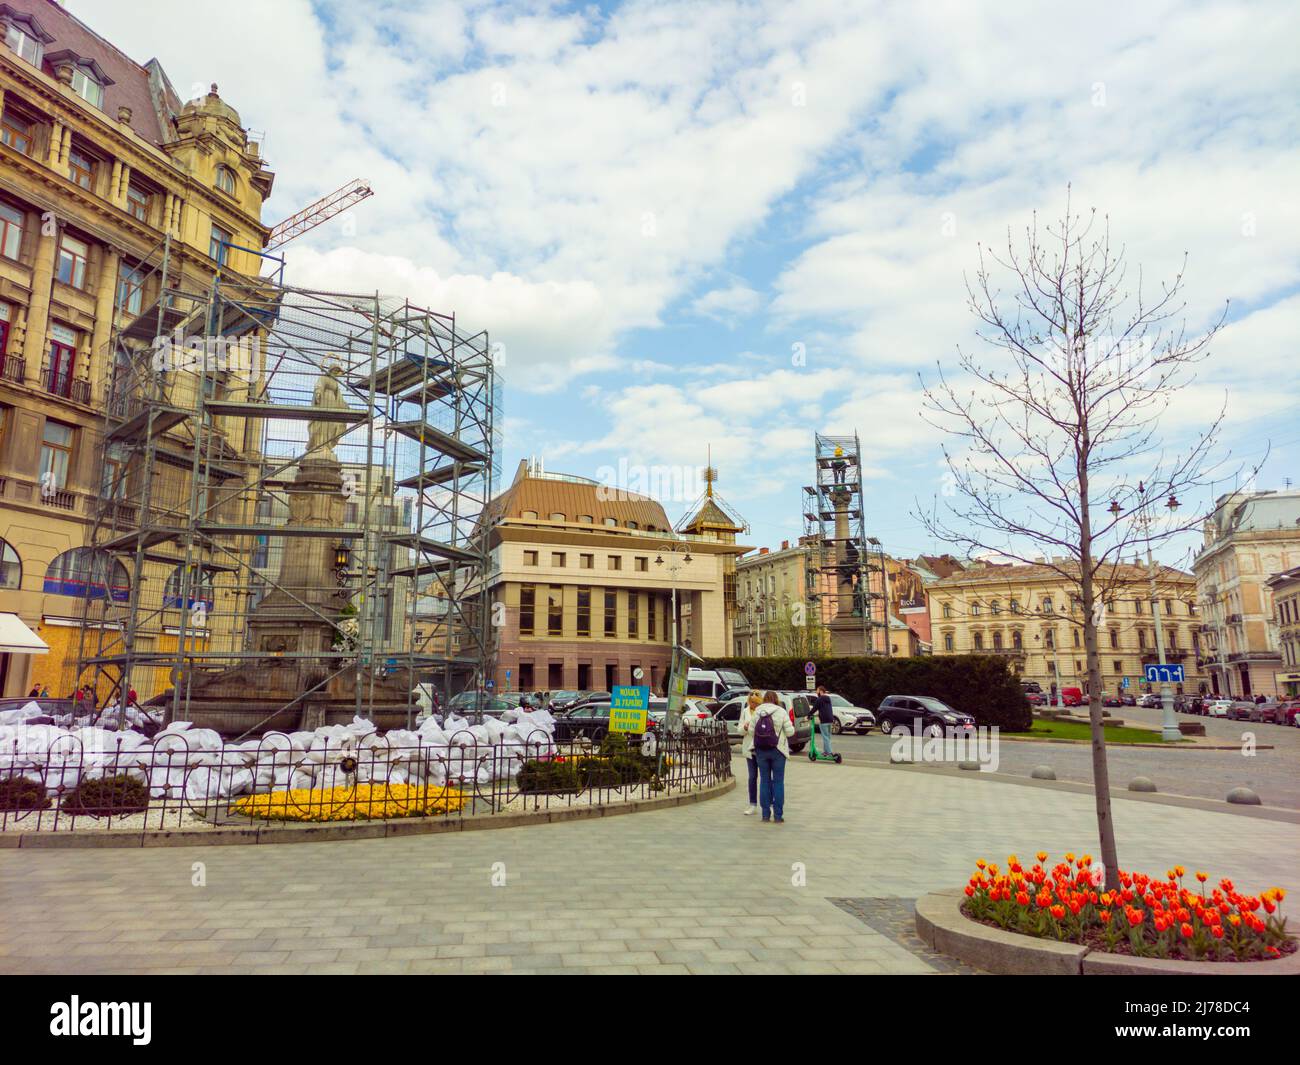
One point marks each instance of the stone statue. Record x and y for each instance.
(322, 435)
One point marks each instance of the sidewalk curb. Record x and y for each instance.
(219, 837)
(941, 924)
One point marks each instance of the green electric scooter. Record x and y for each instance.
(815, 755)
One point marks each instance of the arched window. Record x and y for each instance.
(997, 641)
(88, 574)
(557, 516)
(947, 641)
(979, 641)
(995, 607)
(947, 610)
(1017, 640)
(633, 525)
(226, 179)
(199, 592)
(529, 515)
(11, 567)
(586, 519)
(611, 521)
(974, 610)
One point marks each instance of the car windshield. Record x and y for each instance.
(732, 679)
(839, 700)
(937, 706)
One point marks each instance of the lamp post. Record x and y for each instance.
(1058, 699)
(679, 555)
(1169, 724)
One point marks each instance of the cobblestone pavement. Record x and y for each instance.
(694, 889)
(896, 918)
(1273, 774)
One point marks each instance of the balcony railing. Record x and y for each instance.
(13, 368)
(65, 386)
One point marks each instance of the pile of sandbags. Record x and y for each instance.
(196, 765)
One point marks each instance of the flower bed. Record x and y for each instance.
(1148, 917)
(362, 802)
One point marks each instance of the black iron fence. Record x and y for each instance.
(55, 780)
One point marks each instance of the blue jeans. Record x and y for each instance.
(752, 763)
(825, 730)
(771, 781)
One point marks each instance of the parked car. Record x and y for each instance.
(920, 713)
(1111, 700)
(1127, 700)
(1287, 711)
(1268, 713)
(1072, 697)
(562, 700)
(1240, 709)
(1028, 686)
(1035, 698)
(714, 683)
(591, 720)
(850, 718)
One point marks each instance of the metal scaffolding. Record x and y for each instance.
(842, 558)
(213, 405)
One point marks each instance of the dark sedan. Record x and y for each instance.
(921, 713)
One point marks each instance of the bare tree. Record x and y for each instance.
(1059, 455)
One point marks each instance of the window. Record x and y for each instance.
(11, 231)
(218, 248)
(979, 641)
(642, 564)
(610, 521)
(633, 613)
(1017, 640)
(1050, 639)
(1142, 637)
(947, 641)
(198, 588)
(995, 608)
(1169, 607)
(529, 515)
(586, 561)
(997, 641)
(226, 180)
(137, 202)
(633, 525)
(81, 168)
(1015, 606)
(11, 567)
(113, 482)
(557, 516)
(130, 289)
(530, 558)
(72, 261)
(24, 44)
(1117, 666)
(557, 559)
(974, 610)
(16, 133)
(87, 573)
(947, 610)
(555, 611)
(1076, 638)
(1047, 606)
(584, 611)
(1114, 638)
(56, 454)
(527, 607)
(615, 562)
(1137, 606)
(652, 605)
(611, 613)
(586, 519)
(85, 86)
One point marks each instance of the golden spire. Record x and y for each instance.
(710, 474)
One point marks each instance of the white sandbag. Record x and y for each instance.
(361, 726)
(178, 726)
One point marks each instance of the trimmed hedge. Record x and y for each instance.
(980, 685)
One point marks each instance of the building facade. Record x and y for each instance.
(1032, 616)
(1248, 538)
(1285, 587)
(101, 165)
(582, 578)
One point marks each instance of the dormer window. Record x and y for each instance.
(226, 180)
(21, 40)
(85, 86)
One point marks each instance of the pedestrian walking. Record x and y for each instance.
(747, 748)
(772, 731)
(36, 691)
(821, 705)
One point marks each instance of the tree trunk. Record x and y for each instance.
(1100, 770)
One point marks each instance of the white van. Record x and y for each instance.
(712, 683)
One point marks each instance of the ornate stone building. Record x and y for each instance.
(101, 164)
(1249, 538)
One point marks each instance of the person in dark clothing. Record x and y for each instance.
(821, 705)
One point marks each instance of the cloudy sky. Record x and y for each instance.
(734, 223)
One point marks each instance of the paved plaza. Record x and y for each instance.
(697, 889)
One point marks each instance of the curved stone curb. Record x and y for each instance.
(415, 826)
(940, 922)
(1181, 745)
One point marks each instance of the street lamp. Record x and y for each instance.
(674, 567)
(1169, 724)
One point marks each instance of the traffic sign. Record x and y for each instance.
(1165, 674)
(489, 684)
(810, 669)
(1123, 682)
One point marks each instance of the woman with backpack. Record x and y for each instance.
(747, 748)
(772, 729)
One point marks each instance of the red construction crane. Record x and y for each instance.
(322, 210)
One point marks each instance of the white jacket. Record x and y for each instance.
(780, 718)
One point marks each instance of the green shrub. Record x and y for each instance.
(980, 685)
(599, 773)
(107, 797)
(548, 778)
(21, 793)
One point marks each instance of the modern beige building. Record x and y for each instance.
(582, 576)
(101, 164)
(1032, 616)
(1249, 538)
(1285, 588)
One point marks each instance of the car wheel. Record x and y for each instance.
(836, 729)
(795, 748)
(934, 731)
(886, 726)
(864, 731)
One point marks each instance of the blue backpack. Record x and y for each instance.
(765, 738)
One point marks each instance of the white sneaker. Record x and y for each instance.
(750, 810)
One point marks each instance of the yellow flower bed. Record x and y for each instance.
(362, 802)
